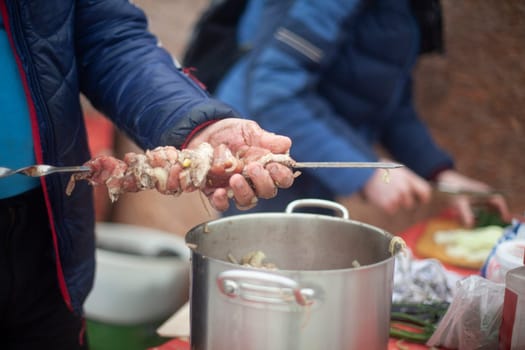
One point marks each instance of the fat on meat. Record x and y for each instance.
(168, 170)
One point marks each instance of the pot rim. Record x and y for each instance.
(203, 228)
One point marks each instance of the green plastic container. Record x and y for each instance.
(104, 336)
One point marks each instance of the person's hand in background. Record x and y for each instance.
(463, 204)
(247, 141)
(396, 189)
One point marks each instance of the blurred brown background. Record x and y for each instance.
(473, 100)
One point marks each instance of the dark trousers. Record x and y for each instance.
(33, 314)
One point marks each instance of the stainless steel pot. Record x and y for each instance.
(317, 299)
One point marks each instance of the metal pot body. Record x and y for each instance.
(316, 299)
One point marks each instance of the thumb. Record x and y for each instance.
(275, 143)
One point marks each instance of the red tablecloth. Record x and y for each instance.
(412, 234)
(394, 344)
(175, 344)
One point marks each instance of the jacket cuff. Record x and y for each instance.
(197, 118)
(195, 131)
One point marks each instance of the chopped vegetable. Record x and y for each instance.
(485, 217)
(415, 322)
(469, 244)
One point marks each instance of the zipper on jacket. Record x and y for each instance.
(34, 97)
(28, 76)
(26, 61)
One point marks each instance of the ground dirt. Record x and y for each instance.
(472, 99)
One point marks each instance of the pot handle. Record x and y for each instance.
(321, 203)
(263, 287)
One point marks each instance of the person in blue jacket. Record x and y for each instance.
(336, 77)
(50, 52)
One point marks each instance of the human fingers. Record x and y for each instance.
(229, 131)
(219, 199)
(261, 180)
(422, 191)
(408, 200)
(390, 204)
(464, 209)
(243, 194)
(238, 134)
(401, 197)
(255, 136)
(413, 189)
(499, 202)
(388, 199)
(380, 194)
(282, 176)
(172, 182)
(274, 143)
(402, 188)
(404, 191)
(394, 200)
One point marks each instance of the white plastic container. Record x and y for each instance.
(508, 256)
(141, 278)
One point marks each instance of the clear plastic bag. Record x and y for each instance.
(422, 280)
(473, 319)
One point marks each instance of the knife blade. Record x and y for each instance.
(455, 190)
(381, 165)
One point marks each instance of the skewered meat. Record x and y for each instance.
(253, 259)
(168, 170)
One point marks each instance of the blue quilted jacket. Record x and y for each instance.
(335, 76)
(100, 48)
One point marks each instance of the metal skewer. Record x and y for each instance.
(381, 165)
(43, 170)
(457, 190)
